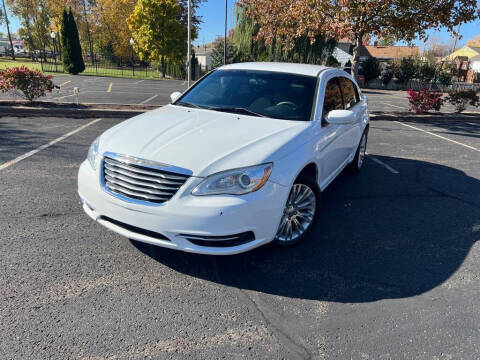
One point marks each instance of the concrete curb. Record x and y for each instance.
(23, 111)
(468, 116)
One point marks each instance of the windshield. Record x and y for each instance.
(257, 93)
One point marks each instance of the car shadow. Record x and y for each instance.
(380, 236)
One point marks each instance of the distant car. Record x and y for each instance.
(361, 76)
(237, 161)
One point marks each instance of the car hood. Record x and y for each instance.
(203, 141)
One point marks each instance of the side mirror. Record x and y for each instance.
(174, 96)
(340, 117)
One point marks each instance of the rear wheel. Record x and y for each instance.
(300, 212)
(356, 165)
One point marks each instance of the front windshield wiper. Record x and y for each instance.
(236, 110)
(187, 104)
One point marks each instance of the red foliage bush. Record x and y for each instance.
(31, 84)
(424, 100)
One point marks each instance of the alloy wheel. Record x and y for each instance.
(298, 214)
(361, 151)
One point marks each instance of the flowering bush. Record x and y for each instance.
(461, 98)
(424, 100)
(31, 84)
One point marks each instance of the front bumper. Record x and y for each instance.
(185, 216)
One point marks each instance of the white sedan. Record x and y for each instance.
(237, 161)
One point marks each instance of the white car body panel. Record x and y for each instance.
(206, 142)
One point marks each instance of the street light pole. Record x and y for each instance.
(189, 60)
(52, 35)
(225, 37)
(132, 42)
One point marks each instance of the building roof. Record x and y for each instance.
(468, 51)
(346, 47)
(202, 50)
(302, 69)
(389, 52)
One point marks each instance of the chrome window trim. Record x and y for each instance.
(145, 163)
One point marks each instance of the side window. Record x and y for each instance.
(350, 93)
(333, 97)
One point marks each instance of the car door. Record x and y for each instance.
(351, 97)
(333, 146)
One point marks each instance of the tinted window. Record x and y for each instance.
(333, 97)
(267, 93)
(350, 96)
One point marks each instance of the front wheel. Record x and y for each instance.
(300, 212)
(356, 165)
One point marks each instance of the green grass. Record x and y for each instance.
(89, 69)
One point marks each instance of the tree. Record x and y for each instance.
(110, 28)
(426, 71)
(193, 64)
(386, 40)
(332, 61)
(387, 74)
(475, 42)
(217, 53)
(251, 48)
(8, 28)
(371, 69)
(195, 20)
(159, 36)
(286, 20)
(71, 48)
(405, 70)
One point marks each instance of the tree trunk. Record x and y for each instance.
(8, 30)
(356, 54)
(90, 42)
(164, 66)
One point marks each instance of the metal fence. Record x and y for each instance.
(114, 68)
(117, 67)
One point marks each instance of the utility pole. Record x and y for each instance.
(189, 60)
(8, 29)
(225, 38)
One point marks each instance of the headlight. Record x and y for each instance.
(93, 153)
(235, 182)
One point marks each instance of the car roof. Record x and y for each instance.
(292, 68)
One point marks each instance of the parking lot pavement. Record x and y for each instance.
(391, 270)
(397, 101)
(105, 90)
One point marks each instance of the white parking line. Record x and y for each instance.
(149, 99)
(386, 166)
(43, 147)
(65, 83)
(399, 107)
(439, 136)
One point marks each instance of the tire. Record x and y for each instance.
(356, 165)
(300, 219)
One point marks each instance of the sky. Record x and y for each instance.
(213, 16)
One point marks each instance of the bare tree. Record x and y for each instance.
(8, 28)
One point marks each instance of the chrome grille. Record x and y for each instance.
(140, 180)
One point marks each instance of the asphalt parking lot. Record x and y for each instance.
(105, 90)
(391, 271)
